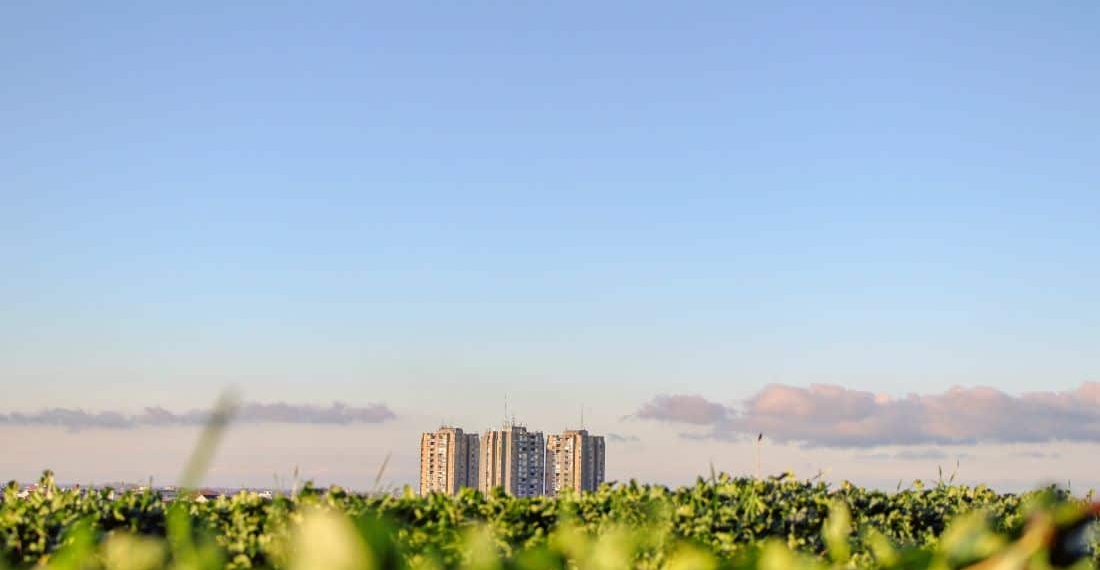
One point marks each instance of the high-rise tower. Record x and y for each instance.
(448, 461)
(512, 458)
(574, 460)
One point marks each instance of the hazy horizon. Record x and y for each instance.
(867, 231)
(347, 446)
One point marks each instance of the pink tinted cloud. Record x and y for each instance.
(834, 416)
(687, 409)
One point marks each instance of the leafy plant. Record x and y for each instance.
(719, 523)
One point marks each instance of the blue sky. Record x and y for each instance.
(427, 206)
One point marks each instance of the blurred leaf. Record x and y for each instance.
(836, 531)
(124, 551)
(326, 539)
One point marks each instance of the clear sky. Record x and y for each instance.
(428, 206)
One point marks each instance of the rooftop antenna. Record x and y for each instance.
(506, 409)
(582, 416)
(758, 439)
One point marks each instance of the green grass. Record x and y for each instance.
(719, 523)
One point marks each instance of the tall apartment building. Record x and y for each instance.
(574, 460)
(513, 458)
(448, 461)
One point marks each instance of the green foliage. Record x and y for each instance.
(722, 523)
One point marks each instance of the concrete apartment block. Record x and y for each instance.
(574, 460)
(513, 458)
(448, 461)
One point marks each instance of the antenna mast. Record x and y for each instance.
(758, 439)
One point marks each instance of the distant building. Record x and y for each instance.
(513, 458)
(448, 461)
(574, 460)
(207, 495)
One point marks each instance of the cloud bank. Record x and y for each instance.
(682, 409)
(916, 455)
(833, 416)
(251, 412)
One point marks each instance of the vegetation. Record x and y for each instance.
(718, 523)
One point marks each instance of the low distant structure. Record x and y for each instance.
(205, 495)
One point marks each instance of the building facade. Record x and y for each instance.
(448, 461)
(574, 460)
(513, 458)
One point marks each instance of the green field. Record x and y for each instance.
(720, 522)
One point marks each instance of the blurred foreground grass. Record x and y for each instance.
(718, 523)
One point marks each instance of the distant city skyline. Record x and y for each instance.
(512, 458)
(867, 230)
